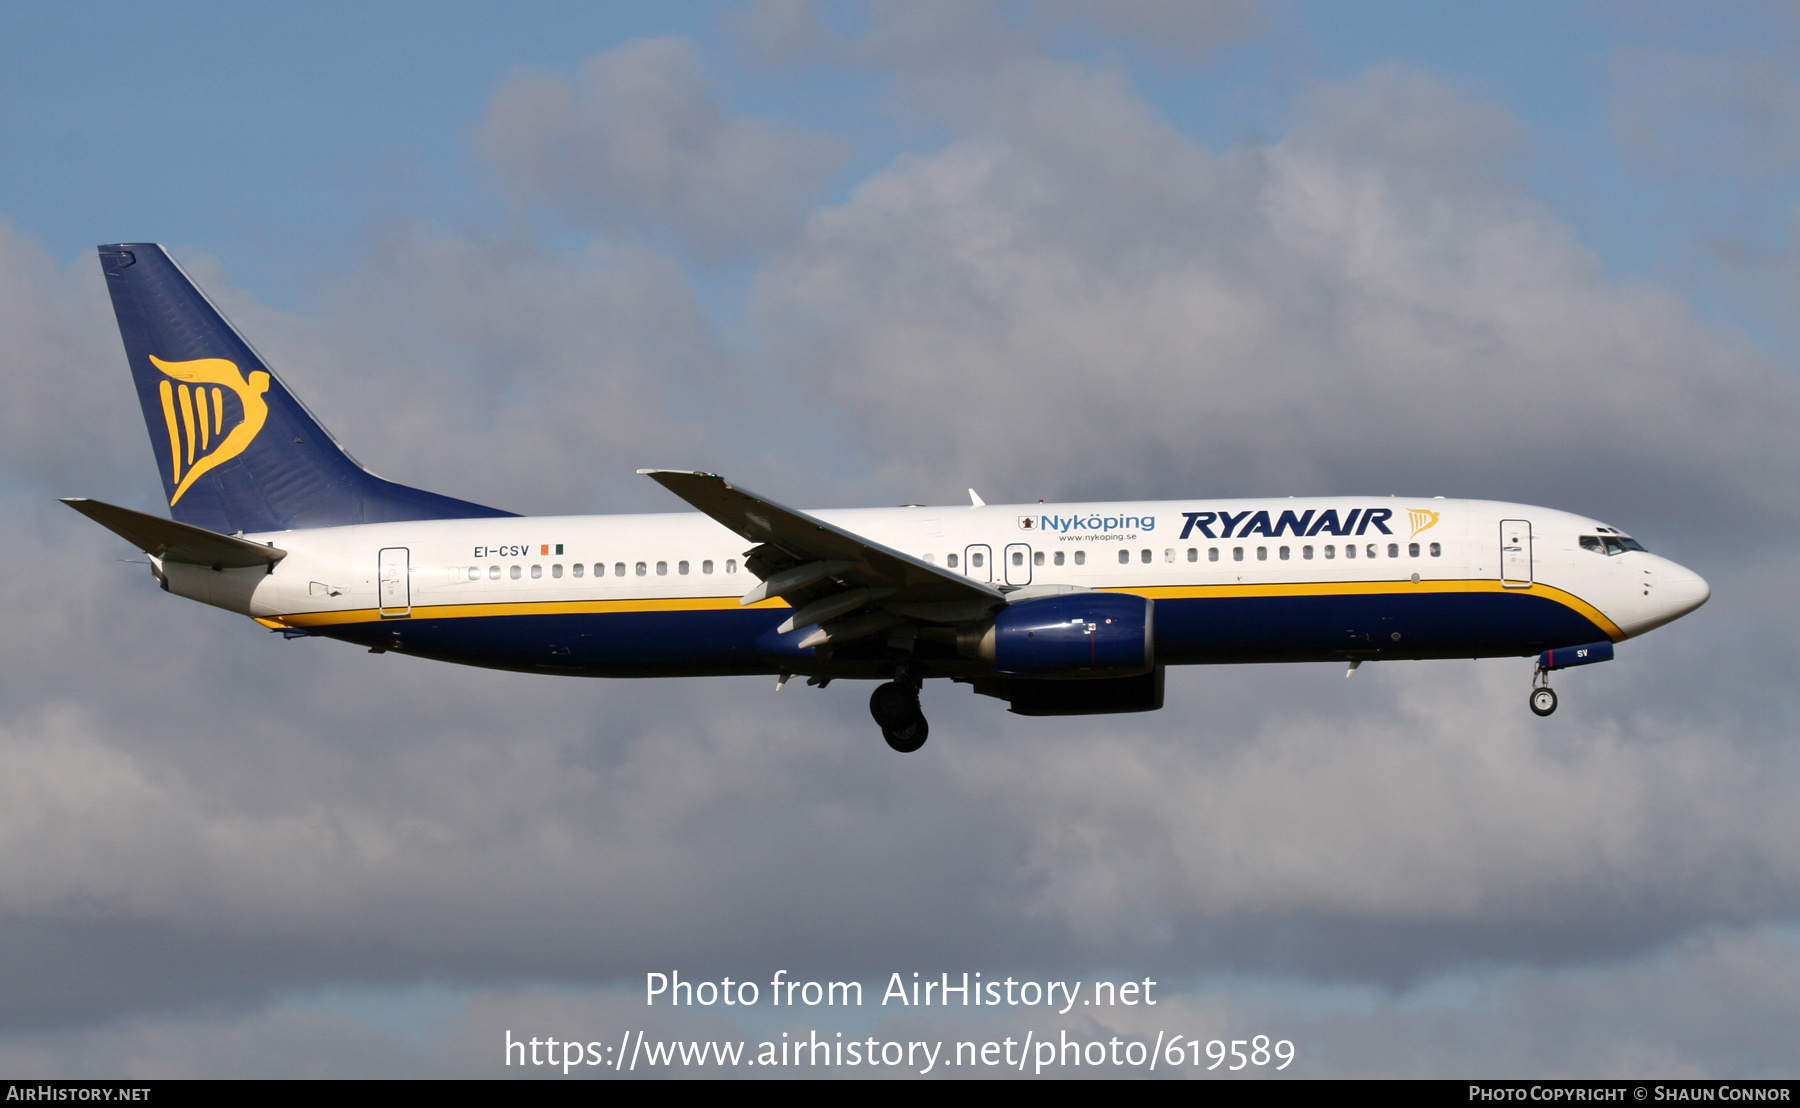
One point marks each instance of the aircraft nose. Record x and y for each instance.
(1682, 590)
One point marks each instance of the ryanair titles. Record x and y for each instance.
(1225, 525)
(1241, 525)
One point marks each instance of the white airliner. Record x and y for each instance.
(1059, 609)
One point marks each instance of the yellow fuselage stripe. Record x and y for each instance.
(1154, 592)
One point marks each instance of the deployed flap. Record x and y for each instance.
(176, 542)
(809, 539)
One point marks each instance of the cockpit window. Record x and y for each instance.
(1611, 543)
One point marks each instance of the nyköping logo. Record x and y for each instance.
(199, 398)
(1421, 520)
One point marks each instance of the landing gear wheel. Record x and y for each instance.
(1543, 700)
(907, 739)
(895, 707)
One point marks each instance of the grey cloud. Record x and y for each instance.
(944, 37)
(1083, 301)
(1685, 110)
(1719, 1004)
(63, 410)
(491, 370)
(638, 139)
(1168, 29)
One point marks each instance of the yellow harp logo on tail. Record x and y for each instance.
(195, 412)
(1422, 520)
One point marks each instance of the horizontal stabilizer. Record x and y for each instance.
(176, 542)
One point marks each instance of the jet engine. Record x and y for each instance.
(1074, 636)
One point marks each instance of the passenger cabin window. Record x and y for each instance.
(931, 559)
(1212, 553)
(1124, 557)
(1081, 557)
(1412, 550)
(642, 568)
(977, 561)
(1436, 550)
(681, 568)
(706, 566)
(1037, 557)
(1331, 552)
(474, 573)
(493, 573)
(1144, 557)
(579, 568)
(1262, 553)
(1193, 553)
(1284, 553)
(556, 570)
(1349, 550)
(662, 569)
(731, 565)
(1371, 551)
(1018, 557)
(537, 572)
(950, 560)
(1393, 550)
(619, 569)
(1059, 557)
(1306, 553)
(1237, 553)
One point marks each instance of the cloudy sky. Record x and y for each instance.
(868, 253)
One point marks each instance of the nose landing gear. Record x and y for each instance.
(1543, 697)
(895, 707)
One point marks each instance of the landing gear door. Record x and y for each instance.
(978, 563)
(395, 584)
(1515, 553)
(1018, 564)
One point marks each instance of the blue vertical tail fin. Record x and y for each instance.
(237, 450)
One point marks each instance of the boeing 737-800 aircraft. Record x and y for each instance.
(1063, 609)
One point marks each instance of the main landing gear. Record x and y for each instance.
(895, 707)
(1543, 697)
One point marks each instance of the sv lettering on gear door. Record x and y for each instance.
(394, 580)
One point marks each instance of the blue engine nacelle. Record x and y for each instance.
(1084, 636)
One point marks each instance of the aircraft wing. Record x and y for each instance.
(827, 573)
(176, 542)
